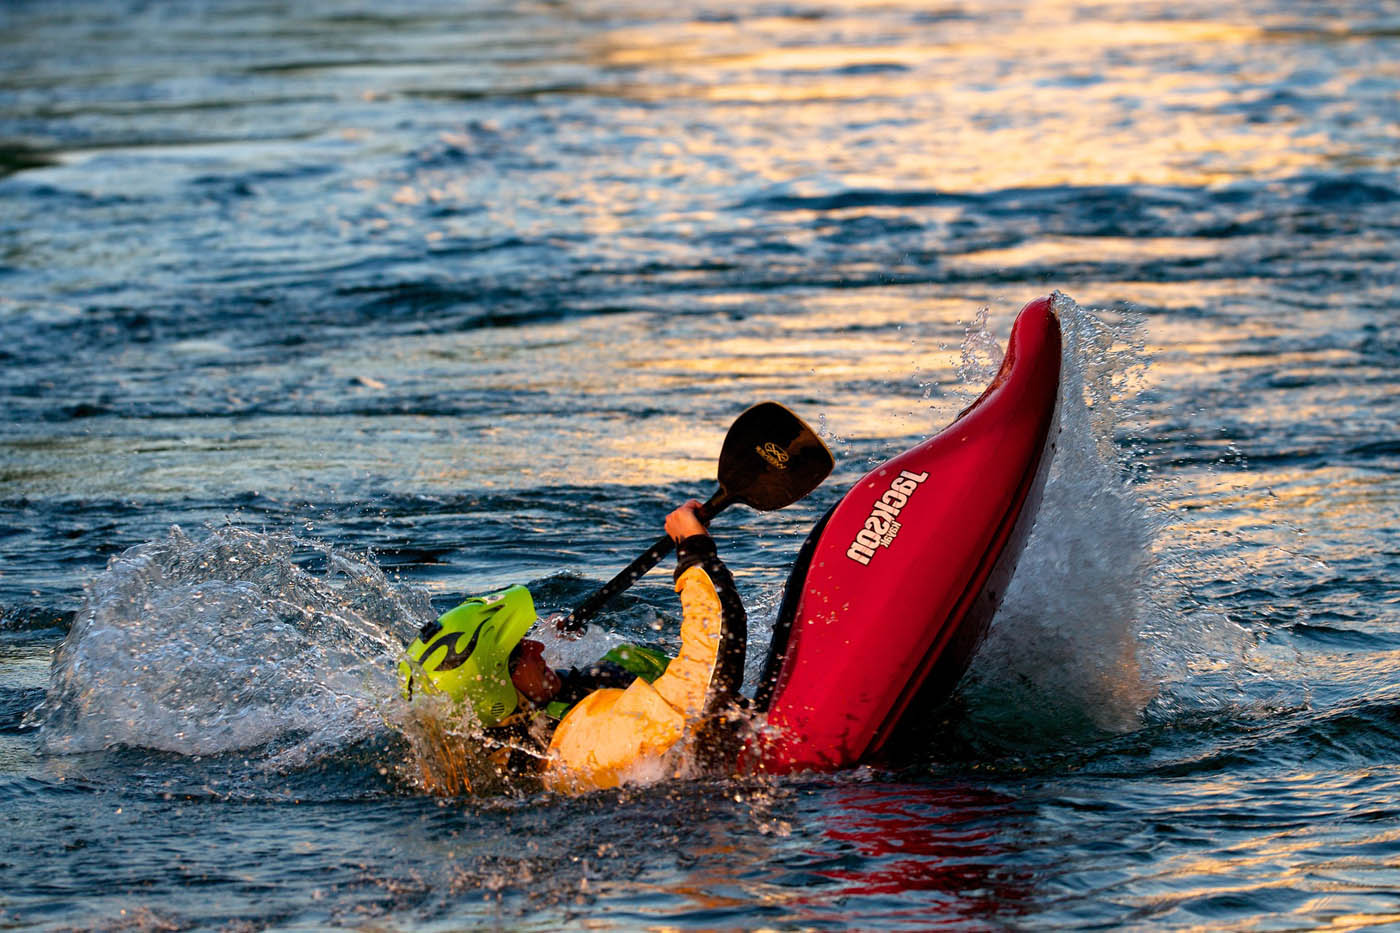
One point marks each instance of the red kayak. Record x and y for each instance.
(893, 590)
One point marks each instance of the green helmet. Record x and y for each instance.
(466, 652)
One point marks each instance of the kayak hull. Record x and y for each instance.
(895, 588)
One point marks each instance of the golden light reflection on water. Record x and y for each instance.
(861, 97)
(590, 378)
(866, 97)
(1343, 497)
(952, 116)
(1290, 861)
(1069, 250)
(889, 97)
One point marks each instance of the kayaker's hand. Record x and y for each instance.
(683, 522)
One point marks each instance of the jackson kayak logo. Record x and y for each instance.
(880, 528)
(773, 454)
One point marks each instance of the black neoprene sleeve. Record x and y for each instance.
(699, 551)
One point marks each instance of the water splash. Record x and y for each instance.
(450, 754)
(981, 353)
(1096, 631)
(1067, 641)
(236, 640)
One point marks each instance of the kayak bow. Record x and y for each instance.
(895, 587)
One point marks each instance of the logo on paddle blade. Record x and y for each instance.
(774, 454)
(880, 527)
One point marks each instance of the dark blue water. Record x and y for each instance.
(382, 305)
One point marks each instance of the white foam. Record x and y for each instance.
(1066, 640)
(206, 645)
(1095, 631)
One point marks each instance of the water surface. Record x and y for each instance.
(385, 305)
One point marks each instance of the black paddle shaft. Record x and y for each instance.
(578, 620)
(770, 459)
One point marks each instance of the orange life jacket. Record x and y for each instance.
(643, 733)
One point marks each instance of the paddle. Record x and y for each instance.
(769, 460)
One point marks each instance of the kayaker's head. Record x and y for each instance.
(478, 652)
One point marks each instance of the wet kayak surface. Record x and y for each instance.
(336, 313)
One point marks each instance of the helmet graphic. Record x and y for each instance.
(466, 652)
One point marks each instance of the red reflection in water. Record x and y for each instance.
(915, 838)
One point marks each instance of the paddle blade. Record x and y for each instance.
(770, 458)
